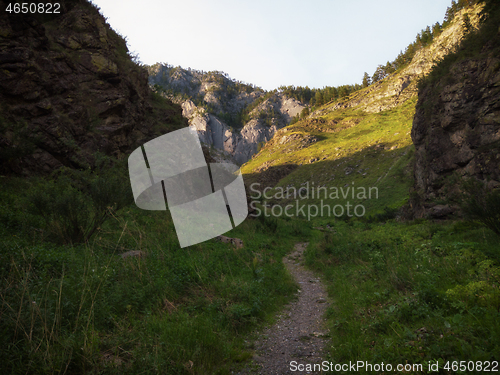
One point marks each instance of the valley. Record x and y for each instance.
(373, 223)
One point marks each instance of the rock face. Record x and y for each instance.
(214, 90)
(220, 102)
(456, 128)
(401, 86)
(69, 89)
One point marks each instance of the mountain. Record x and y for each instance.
(232, 117)
(360, 141)
(70, 90)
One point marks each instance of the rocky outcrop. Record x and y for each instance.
(215, 103)
(211, 89)
(69, 89)
(252, 135)
(240, 145)
(456, 128)
(278, 111)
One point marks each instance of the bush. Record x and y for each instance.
(388, 214)
(76, 203)
(267, 224)
(480, 204)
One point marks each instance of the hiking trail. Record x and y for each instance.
(299, 334)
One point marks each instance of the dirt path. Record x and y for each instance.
(299, 334)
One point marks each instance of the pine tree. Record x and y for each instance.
(319, 97)
(436, 30)
(379, 74)
(343, 91)
(426, 36)
(366, 80)
(389, 68)
(304, 113)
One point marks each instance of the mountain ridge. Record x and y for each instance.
(230, 116)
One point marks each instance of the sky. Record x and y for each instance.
(271, 43)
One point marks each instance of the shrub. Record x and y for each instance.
(76, 203)
(267, 224)
(480, 204)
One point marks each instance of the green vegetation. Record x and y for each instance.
(481, 204)
(91, 284)
(418, 292)
(76, 203)
(82, 308)
(410, 293)
(318, 97)
(353, 149)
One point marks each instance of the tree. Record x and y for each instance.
(343, 91)
(389, 68)
(450, 13)
(319, 97)
(426, 36)
(379, 74)
(436, 30)
(304, 113)
(366, 80)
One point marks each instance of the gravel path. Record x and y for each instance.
(299, 334)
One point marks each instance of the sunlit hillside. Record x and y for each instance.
(360, 142)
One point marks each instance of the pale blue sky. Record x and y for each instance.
(273, 42)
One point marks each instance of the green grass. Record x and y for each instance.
(84, 309)
(353, 149)
(410, 293)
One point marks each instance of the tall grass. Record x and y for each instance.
(411, 293)
(82, 308)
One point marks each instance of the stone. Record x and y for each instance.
(238, 243)
(219, 91)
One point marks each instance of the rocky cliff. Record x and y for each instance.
(456, 128)
(230, 116)
(69, 89)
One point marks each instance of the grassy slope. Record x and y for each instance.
(375, 152)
